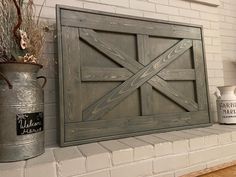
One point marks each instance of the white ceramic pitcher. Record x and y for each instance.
(226, 104)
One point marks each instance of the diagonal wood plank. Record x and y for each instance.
(124, 60)
(107, 102)
(145, 89)
(109, 50)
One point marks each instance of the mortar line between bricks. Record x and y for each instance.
(86, 166)
(91, 172)
(110, 153)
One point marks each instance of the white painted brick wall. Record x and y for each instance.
(219, 24)
(170, 163)
(43, 165)
(181, 4)
(141, 168)
(121, 153)
(12, 169)
(228, 40)
(66, 159)
(190, 169)
(104, 173)
(179, 144)
(168, 174)
(97, 157)
(161, 147)
(142, 150)
(142, 5)
(94, 160)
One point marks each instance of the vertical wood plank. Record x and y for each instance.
(145, 89)
(200, 75)
(60, 69)
(71, 69)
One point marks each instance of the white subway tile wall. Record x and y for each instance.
(219, 25)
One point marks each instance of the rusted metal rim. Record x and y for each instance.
(21, 63)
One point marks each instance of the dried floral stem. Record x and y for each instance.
(6, 26)
(18, 22)
(21, 32)
(41, 8)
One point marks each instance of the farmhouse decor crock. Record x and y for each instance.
(226, 104)
(21, 111)
(21, 108)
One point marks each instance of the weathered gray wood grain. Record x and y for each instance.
(71, 73)
(109, 50)
(111, 23)
(104, 53)
(123, 59)
(145, 89)
(177, 74)
(122, 74)
(106, 103)
(200, 73)
(125, 126)
(104, 74)
(60, 75)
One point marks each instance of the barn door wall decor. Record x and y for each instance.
(122, 76)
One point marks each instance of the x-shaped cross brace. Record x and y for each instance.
(142, 74)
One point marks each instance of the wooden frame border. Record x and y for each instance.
(60, 70)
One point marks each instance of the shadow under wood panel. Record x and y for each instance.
(122, 76)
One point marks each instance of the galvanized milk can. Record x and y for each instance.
(226, 104)
(21, 112)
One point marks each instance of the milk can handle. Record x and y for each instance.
(7, 81)
(44, 78)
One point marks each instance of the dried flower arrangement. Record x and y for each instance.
(21, 33)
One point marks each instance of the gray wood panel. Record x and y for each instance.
(200, 72)
(123, 76)
(145, 89)
(103, 128)
(177, 74)
(106, 103)
(126, 25)
(105, 74)
(71, 72)
(124, 60)
(61, 78)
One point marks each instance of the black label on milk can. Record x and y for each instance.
(29, 123)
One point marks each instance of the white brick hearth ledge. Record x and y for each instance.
(169, 154)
